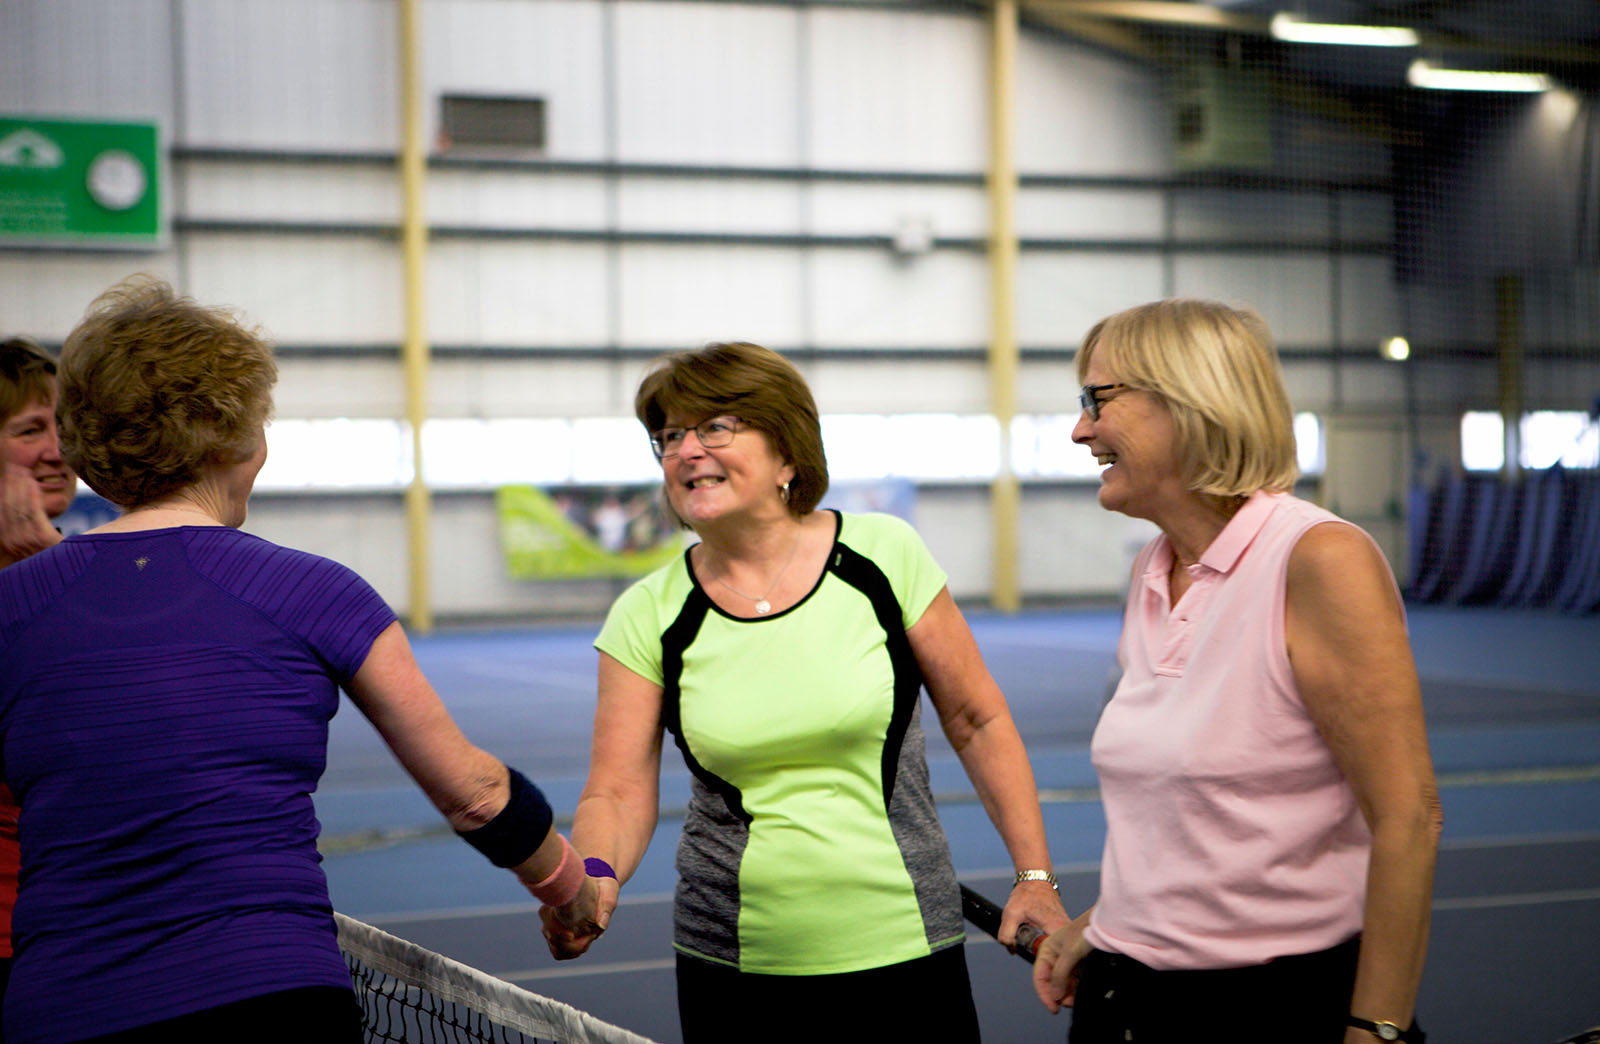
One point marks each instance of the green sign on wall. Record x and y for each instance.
(71, 182)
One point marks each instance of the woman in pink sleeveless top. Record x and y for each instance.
(1272, 816)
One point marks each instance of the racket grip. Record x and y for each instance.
(1028, 940)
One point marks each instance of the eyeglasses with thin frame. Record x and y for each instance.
(1091, 396)
(713, 434)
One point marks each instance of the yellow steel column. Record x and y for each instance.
(414, 249)
(1005, 496)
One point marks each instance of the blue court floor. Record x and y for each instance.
(1513, 701)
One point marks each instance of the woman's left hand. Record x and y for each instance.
(1035, 903)
(1056, 968)
(25, 529)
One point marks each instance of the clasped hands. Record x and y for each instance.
(570, 930)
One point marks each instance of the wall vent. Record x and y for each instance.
(1223, 118)
(472, 121)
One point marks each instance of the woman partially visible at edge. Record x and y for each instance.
(166, 683)
(1272, 815)
(785, 653)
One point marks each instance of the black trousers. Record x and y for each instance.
(927, 999)
(311, 1015)
(1303, 998)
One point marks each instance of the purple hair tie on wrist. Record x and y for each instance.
(598, 868)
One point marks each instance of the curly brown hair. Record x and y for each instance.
(156, 390)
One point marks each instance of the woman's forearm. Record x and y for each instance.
(997, 763)
(1394, 935)
(616, 827)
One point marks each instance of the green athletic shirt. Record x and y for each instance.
(811, 845)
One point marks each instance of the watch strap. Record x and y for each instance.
(1389, 1030)
(1037, 875)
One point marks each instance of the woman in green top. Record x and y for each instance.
(785, 653)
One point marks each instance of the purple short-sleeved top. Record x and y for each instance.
(164, 707)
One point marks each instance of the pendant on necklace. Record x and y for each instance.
(763, 607)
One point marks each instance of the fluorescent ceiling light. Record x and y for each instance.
(1289, 27)
(1426, 74)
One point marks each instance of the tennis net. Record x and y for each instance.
(411, 995)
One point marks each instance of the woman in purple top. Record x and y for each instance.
(166, 683)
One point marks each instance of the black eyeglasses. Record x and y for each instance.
(1090, 397)
(713, 434)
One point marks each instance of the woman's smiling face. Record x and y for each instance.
(1135, 437)
(709, 484)
(28, 440)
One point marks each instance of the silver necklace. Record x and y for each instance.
(763, 607)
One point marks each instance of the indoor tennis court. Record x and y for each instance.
(468, 227)
(1514, 719)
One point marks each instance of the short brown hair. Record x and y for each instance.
(156, 389)
(1216, 368)
(750, 382)
(27, 376)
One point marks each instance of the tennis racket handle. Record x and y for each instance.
(1028, 940)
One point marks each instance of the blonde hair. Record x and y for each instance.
(156, 389)
(750, 382)
(1218, 372)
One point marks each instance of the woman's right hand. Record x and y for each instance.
(570, 930)
(1055, 968)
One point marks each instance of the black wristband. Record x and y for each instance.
(516, 833)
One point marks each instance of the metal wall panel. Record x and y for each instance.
(889, 92)
(86, 58)
(869, 298)
(683, 295)
(1062, 293)
(715, 205)
(1291, 291)
(241, 190)
(290, 74)
(710, 81)
(474, 197)
(1082, 112)
(518, 292)
(43, 295)
(877, 208)
(1058, 212)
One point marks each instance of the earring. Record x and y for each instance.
(783, 491)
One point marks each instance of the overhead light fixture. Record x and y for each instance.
(1426, 74)
(1295, 30)
(1395, 349)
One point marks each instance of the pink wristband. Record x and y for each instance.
(563, 885)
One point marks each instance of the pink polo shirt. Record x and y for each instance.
(1232, 837)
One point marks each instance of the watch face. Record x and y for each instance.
(117, 180)
(1388, 1031)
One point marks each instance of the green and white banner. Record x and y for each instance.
(585, 531)
(78, 183)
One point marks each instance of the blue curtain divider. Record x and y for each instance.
(1441, 526)
(1579, 591)
(1534, 543)
(1490, 545)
